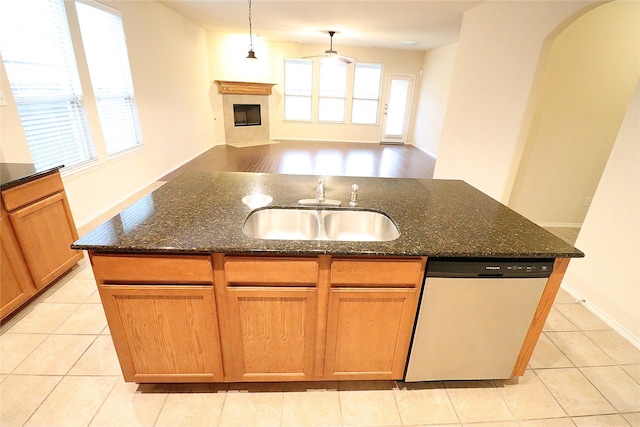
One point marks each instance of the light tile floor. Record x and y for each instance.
(58, 367)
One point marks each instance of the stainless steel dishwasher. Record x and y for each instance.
(473, 317)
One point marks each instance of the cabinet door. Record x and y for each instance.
(45, 230)
(272, 333)
(164, 333)
(368, 333)
(15, 282)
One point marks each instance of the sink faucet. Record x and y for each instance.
(320, 190)
(354, 196)
(320, 199)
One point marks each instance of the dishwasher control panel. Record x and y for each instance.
(489, 267)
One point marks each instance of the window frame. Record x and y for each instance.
(116, 142)
(356, 98)
(291, 96)
(335, 64)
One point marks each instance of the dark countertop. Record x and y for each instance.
(14, 174)
(200, 212)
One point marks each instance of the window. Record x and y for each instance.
(366, 93)
(106, 51)
(297, 89)
(333, 90)
(38, 56)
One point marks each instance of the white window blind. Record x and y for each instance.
(106, 51)
(333, 90)
(366, 93)
(38, 56)
(297, 89)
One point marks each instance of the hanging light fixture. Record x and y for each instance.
(251, 54)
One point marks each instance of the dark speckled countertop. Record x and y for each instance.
(14, 174)
(201, 212)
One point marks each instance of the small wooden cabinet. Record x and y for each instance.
(37, 232)
(162, 316)
(372, 308)
(272, 306)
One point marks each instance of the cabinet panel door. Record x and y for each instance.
(164, 333)
(45, 230)
(15, 282)
(368, 333)
(272, 333)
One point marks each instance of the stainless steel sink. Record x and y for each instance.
(282, 224)
(320, 224)
(359, 226)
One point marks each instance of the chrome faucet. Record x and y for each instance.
(320, 190)
(320, 199)
(354, 195)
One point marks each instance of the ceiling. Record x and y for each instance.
(399, 24)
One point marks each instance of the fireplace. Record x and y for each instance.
(245, 107)
(246, 115)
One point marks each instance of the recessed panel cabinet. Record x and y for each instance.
(164, 333)
(37, 232)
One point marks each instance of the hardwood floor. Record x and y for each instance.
(316, 158)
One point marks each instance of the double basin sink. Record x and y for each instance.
(320, 224)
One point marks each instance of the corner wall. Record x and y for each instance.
(590, 76)
(608, 278)
(499, 49)
(433, 93)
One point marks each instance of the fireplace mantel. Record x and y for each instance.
(243, 88)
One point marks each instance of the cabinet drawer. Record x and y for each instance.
(24, 194)
(153, 269)
(404, 273)
(281, 271)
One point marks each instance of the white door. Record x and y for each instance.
(397, 108)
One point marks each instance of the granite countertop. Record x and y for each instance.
(14, 174)
(199, 212)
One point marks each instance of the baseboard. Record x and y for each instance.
(559, 224)
(324, 140)
(635, 341)
(95, 215)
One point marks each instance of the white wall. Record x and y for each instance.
(608, 278)
(168, 59)
(226, 62)
(433, 93)
(499, 50)
(590, 76)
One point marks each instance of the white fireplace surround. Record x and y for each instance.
(244, 93)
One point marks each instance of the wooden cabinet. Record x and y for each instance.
(273, 333)
(372, 309)
(162, 315)
(37, 232)
(272, 306)
(17, 286)
(368, 333)
(164, 333)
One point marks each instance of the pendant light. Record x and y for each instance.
(251, 55)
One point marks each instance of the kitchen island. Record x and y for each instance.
(190, 298)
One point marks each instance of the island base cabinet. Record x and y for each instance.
(272, 333)
(368, 333)
(164, 333)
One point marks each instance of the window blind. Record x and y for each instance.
(36, 48)
(297, 89)
(105, 47)
(333, 90)
(366, 93)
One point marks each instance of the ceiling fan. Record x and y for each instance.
(332, 53)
